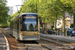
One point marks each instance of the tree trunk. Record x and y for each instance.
(56, 23)
(63, 29)
(44, 20)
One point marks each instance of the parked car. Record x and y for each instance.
(51, 32)
(71, 31)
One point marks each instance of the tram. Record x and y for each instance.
(25, 26)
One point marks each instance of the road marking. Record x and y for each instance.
(8, 48)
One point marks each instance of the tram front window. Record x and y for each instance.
(30, 24)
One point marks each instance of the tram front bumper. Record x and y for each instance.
(30, 37)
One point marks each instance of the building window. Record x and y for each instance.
(58, 24)
(68, 21)
(71, 21)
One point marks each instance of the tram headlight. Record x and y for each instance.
(21, 33)
(38, 33)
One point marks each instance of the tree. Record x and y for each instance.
(66, 7)
(13, 16)
(3, 12)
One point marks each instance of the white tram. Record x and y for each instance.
(25, 26)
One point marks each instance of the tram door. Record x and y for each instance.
(17, 29)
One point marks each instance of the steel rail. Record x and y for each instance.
(23, 45)
(26, 47)
(58, 42)
(7, 43)
(44, 46)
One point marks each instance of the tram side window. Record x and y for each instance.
(23, 26)
(17, 26)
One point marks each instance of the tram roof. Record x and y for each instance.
(28, 13)
(19, 15)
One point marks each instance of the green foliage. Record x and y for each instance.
(13, 16)
(48, 9)
(3, 12)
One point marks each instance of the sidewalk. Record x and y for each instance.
(59, 37)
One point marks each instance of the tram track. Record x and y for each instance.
(64, 45)
(53, 41)
(6, 42)
(23, 45)
(11, 41)
(43, 45)
(34, 45)
(26, 48)
(38, 45)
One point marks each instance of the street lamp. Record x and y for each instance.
(36, 8)
(20, 9)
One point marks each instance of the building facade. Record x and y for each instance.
(68, 21)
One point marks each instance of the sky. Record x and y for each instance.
(13, 3)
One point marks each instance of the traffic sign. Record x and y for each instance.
(66, 14)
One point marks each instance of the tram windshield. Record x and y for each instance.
(30, 23)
